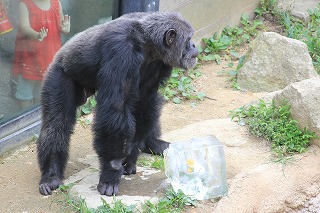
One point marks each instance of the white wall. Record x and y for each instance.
(210, 16)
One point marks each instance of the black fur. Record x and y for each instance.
(125, 61)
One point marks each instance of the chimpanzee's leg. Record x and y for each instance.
(153, 145)
(59, 99)
(114, 129)
(151, 127)
(147, 131)
(130, 161)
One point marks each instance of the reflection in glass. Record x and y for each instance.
(37, 41)
(39, 29)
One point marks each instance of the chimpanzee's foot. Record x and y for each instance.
(130, 169)
(47, 185)
(108, 189)
(110, 178)
(155, 147)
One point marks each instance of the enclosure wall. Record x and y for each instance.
(209, 16)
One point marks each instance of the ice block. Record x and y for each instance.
(197, 167)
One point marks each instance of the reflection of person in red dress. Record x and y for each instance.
(5, 25)
(38, 39)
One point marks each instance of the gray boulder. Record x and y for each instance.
(273, 62)
(304, 98)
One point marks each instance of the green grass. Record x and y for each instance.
(274, 124)
(69, 202)
(77, 204)
(154, 161)
(171, 202)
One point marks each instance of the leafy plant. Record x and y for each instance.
(218, 46)
(313, 39)
(76, 204)
(225, 45)
(79, 205)
(233, 73)
(179, 87)
(274, 123)
(172, 202)
(236, 33)
(89, 105)
(266, 6)
(308, 33)
(158, 162)
(116, 207)
(293, 27)
(86, 109)
(217, 43)
(154, 161)
(250, 28)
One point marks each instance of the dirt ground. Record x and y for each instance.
(19, 173)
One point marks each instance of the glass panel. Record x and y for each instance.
(26, 51)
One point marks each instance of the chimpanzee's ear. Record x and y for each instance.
(170, 36)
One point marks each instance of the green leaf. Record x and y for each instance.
(210, 57)
(176, 100)
(174, 75)
(201, 95)
(257, 23)
(193, 105)
(246, 36)
(235, 54)
(218, 59)
(258, 11)
(207, 50)
(93, 102)
(245, 19)
(86, 110)
(233, 73)
(87, 121)
(240, 31)
(230, 64)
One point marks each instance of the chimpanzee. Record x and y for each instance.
(124, 61)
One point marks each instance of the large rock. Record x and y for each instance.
(273, 62)
(304, 98)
